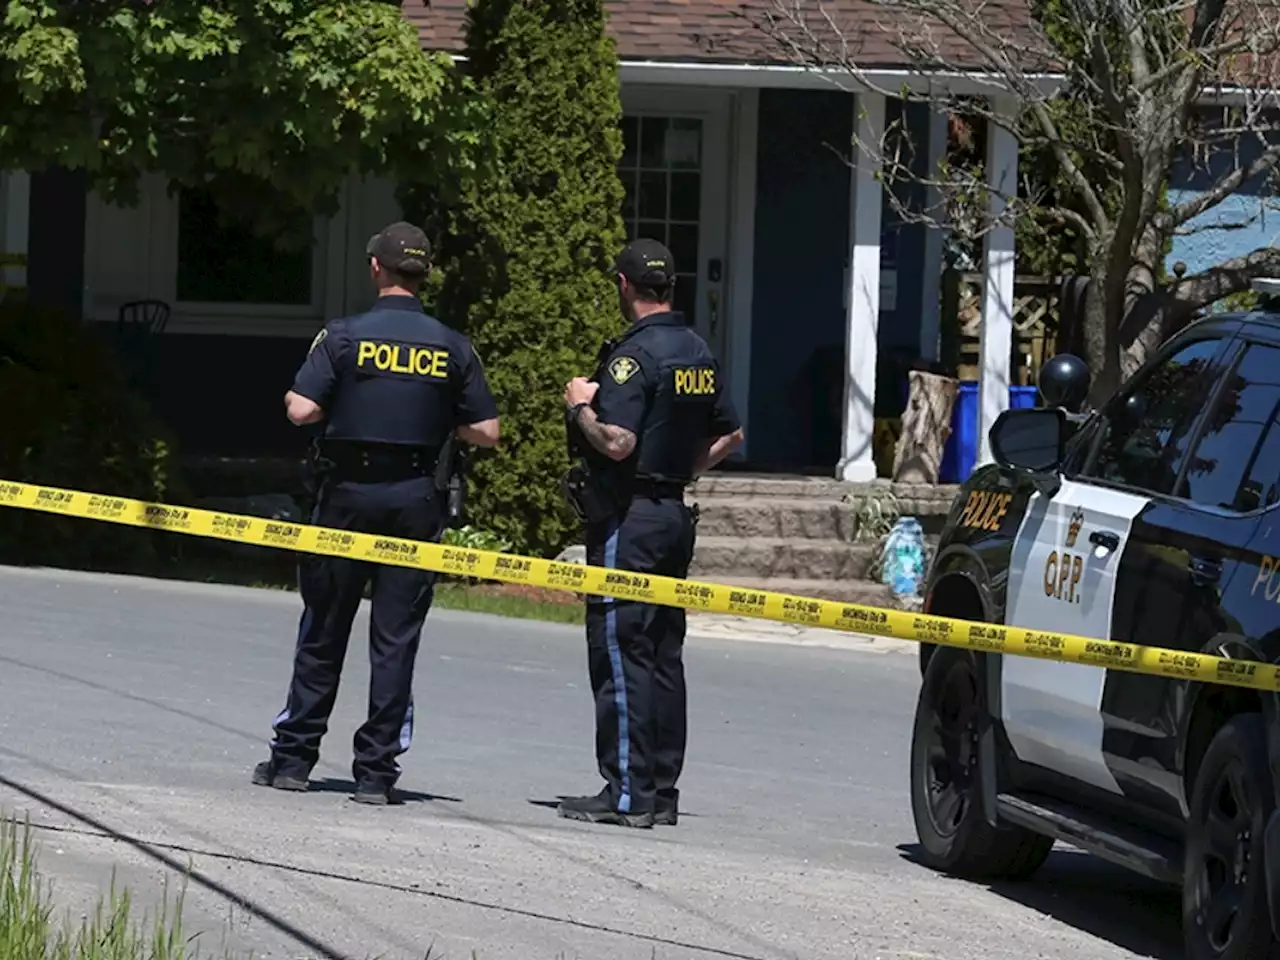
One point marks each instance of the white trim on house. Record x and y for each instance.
(995, 341)
(131, 254)
(761, 75)
(742, 252)
(700, 73)
(862, 297)
(794, 77)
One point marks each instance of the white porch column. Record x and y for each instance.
(996, 338)
(15, 193)
(934, 237)
(862, 295)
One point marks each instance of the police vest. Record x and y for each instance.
(678, 424)
(398, 377)
(682, 404)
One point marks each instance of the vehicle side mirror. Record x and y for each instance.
(1032, 441)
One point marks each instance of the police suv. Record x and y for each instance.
(1153, 520)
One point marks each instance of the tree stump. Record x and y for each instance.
(926, 427)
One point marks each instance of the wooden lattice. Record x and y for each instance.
(1035, 325)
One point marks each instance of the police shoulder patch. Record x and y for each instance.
(623, 369)
(324, 332)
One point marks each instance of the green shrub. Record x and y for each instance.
(71, 420)
(524, 253)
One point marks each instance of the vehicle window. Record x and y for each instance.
(1149, 425)
(1245, 407)
(1261, 488)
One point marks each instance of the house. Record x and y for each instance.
(790, 261)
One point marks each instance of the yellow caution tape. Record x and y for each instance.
(625, 585)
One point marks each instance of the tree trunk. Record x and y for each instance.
(1104, 311)
(926, 427)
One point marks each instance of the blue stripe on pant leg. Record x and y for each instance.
(406, 728)
(619, 679)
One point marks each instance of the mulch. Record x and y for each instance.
(526, 592)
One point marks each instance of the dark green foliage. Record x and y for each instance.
(524, 256)
(71, 420)
(272, 102)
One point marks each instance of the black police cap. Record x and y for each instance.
(401, 247)
(646, 263)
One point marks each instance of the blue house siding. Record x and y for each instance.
(801, 248)
(1250, 204)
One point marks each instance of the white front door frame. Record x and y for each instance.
(714, 109)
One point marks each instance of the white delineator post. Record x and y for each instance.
(995, 344)
(862, 295)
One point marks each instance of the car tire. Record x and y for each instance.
(1225, 913)
(946, 782)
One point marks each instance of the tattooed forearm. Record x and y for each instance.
(614, 442)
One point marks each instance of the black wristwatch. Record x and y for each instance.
(576, 411)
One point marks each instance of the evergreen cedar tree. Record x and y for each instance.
(525, 253)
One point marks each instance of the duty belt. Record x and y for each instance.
(379, 463)
(657, 489)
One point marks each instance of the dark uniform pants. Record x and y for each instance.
(635, 654)
(332, 589)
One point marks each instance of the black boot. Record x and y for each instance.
(267, 774)
(600, 809)
(375, 794)
(666, 809)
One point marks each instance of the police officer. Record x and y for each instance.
(654, 416)
(390, 387)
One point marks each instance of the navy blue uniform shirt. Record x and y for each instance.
(661, 382)
(394, 375)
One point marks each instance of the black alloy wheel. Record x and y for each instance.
(1225, 910)
(946, 781)
(952, 749)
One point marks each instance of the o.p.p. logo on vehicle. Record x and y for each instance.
(1062, 570)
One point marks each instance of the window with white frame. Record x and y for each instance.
(219, 263)
(661, 171)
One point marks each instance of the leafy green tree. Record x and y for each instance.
(525, 253)
(270, 103)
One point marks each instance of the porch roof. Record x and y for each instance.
(720, 32)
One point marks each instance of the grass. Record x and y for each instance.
(29, 929)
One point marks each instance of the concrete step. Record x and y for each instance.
(774, 557)
(796, 519)
(912, 498)
(865, 592)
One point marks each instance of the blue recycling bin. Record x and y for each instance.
(961, 451)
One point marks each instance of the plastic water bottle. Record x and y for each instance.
(904, 558)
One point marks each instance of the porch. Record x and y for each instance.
(792, 268)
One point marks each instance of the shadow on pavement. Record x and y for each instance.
(337, 785)
(1100, 899)
(554, 804)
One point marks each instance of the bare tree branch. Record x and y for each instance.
(1225, 187)
(1199, 290)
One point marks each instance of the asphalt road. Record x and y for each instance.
(131, 713)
